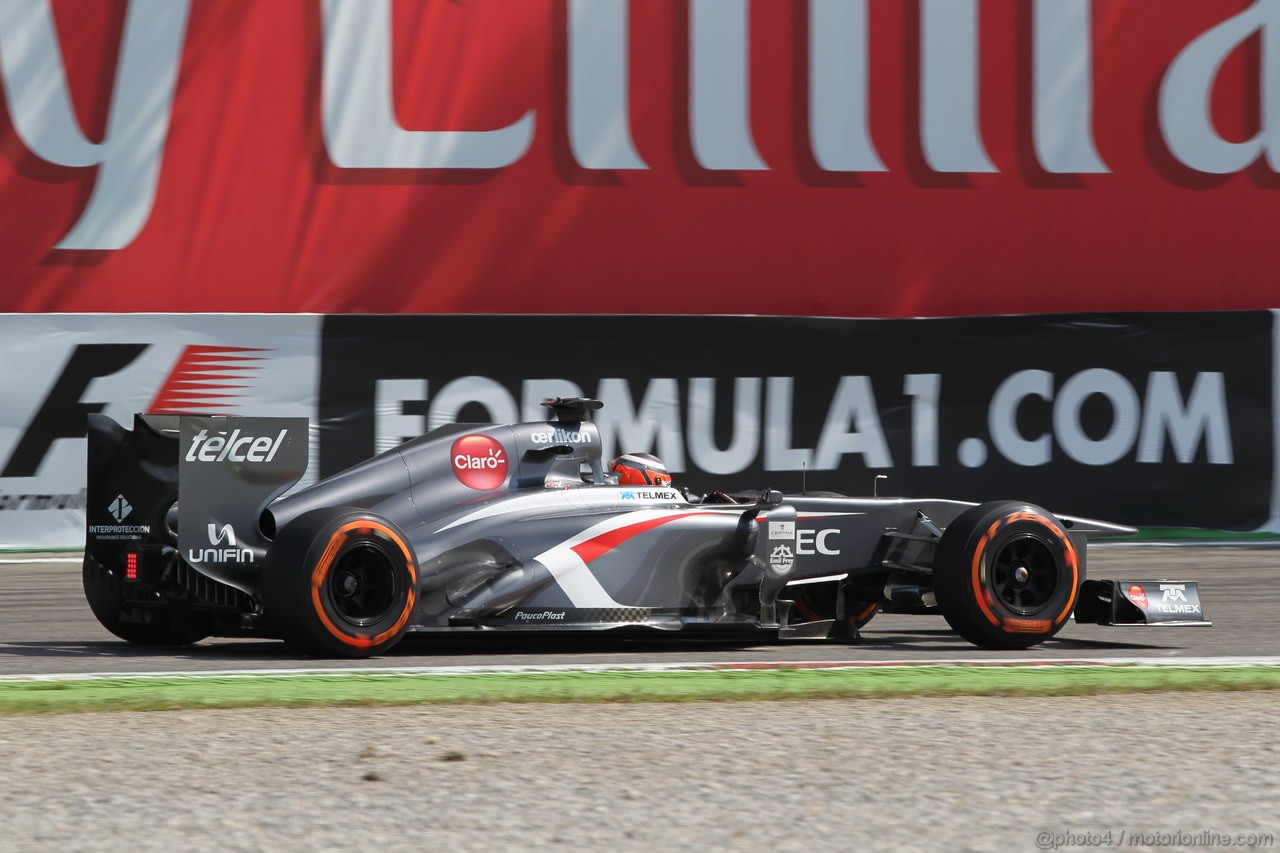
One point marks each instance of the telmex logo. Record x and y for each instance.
(234, 447)
(479, 462)
(1170, 595)
(651, 495)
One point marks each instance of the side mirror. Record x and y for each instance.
(771, 497)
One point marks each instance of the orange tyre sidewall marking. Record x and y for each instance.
(866, 614)
(321, 572)
(984, 598)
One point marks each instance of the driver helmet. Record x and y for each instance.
(640, 469)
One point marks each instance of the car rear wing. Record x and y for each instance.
(131, 485)
(194, 483)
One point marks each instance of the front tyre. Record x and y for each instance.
(818, 602)
(340, 583)
(1006, 575)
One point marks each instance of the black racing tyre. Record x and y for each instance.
(340, 583)
(163, 627)
(818, 601)
(861, 612)
(1006, 575)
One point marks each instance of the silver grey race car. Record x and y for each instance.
(479, 528)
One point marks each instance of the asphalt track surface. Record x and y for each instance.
(46, 627)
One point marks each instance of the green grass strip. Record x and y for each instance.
(1192, 535)
(191, 692)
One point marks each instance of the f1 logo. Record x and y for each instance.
(63, 414)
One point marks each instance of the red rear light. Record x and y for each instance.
(131, 567)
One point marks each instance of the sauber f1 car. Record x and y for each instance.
(519, 528)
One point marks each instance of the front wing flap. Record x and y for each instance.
(1152, 602)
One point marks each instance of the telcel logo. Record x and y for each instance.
(479, 462)
(234, 447)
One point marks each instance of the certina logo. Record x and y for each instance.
(479, 462)
(1138, 596)
(234, 447)
(229, 553)
(541, 616)
(560, 435)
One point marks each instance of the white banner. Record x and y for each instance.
(56, 369)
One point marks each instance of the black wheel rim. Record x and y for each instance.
(362, 585)
(1024, 574)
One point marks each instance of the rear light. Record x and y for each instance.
(131, 566)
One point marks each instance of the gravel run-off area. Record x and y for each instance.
(879, 774)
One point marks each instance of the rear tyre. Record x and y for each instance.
(1006, 575)
(340, 583)
(106, 596)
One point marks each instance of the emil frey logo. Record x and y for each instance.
(1138, 596)
(479, 462)
(781, 557)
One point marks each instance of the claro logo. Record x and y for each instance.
(234, 447)
(479, 462)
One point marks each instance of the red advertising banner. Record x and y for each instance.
(828, 157)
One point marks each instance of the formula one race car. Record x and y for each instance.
(520, 528)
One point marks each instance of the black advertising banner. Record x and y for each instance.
(1149, 419)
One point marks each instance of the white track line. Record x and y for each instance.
(715, 666)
